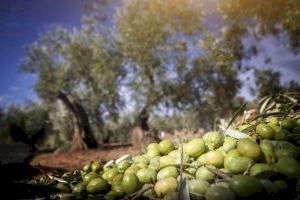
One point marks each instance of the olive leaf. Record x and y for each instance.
(219, 173)
(264, 115)
(265, 104)
(56, 178)
(183, 185)
(139, 193)
(125, 157)
(72, 177)
(109, 164)
(184, 193)
(236, 134)
(241, 108)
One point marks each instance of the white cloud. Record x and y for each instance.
(14, 88)
(4, 97)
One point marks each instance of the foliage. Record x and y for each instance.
(27, 124)
(145, 33)
(259, 19)
(268, 83)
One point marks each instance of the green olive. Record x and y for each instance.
(63, 187)
(258, 168)
(248, 148)
(150, 193)
(204, 174)
(130, 183)
(166, 146)
(171, 196)
(142, 165)
(117, 179)
(191, 170)
(170, 171)
(265, 131)
(244, 186)
(230, 156)
(96, 166)
(214, 158)
(155, 163)
(152, 146)
(133, 169)
(151, 153)
(219, 193)
(268, 151)
(97, 185)
(229, 143)
(213, 140)
(110, 174)
(195, 147)
(282, 134)
(123, 165)
(269, 186)
(272, 121)
(239, 165)
(88, 177)
(198, 186)
(201, 159)
(79, 188)
(167, 160)
(146, 175)
(165, 186)
(221, 184)
(111, 195)
(296, 130)
(281, 184)
(177, 155)
(288, 124)
(288, 166)
(141, 159)
(118, 189)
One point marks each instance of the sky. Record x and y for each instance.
(22, 21)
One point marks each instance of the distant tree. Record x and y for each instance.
(267, 82)
(27, 124)
(148, 32)
(261, 18)
(80, 69)
(213, 81)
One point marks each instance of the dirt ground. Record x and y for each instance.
(76, 160)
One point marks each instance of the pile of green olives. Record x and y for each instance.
(216, 166)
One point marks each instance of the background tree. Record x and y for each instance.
(259, 19)
(80, 69)
(211, 84)
(268, 82)
(146, 32)
(27, 124)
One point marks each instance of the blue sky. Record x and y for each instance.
(22, 21)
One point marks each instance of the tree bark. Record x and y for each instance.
(83, 137)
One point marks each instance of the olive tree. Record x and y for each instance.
(257, 19)
(147, 32)
(81, 69)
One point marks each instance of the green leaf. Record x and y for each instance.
(236, 134)
(72, 177)
(241, 108)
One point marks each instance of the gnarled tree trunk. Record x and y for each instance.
(83, 137)
(139, 129)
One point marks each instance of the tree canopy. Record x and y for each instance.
(157, 57)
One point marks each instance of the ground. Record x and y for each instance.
(76, 160)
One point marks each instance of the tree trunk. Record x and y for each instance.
(141, 126)
(83, 137)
